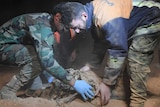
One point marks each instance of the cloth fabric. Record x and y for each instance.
(111, 33)
(141, 51)
(140, 56)
(140, 30)
(64, 93)
(111, 27)
(31, 29)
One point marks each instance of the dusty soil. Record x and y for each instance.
(153, 87)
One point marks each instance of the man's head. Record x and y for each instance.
(70, 15)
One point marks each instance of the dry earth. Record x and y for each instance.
(153, 87)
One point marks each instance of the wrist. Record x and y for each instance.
(72, 82)
(108, 85)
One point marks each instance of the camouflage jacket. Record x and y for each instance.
(37, 27)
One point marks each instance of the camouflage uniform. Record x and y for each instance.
(140, 55)
(28, 40)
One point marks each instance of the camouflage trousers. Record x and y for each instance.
(23, 56)
(140, 56)
(141, 50)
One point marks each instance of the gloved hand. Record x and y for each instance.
(83, 88)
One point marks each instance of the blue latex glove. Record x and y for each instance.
(83, 88)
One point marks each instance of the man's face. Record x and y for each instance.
(78, 25)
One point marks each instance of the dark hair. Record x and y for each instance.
(68, 11)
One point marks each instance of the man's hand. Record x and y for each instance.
(105, 93)
(83, 88)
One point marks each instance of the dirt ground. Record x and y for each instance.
(153, 86)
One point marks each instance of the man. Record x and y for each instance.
(32, 40)
(111, 22)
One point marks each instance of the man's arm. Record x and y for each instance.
(118, 46)
(43, 39)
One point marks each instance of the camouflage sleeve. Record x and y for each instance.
(116, 35)
(43, 37)
(113, 68)
(13, 30)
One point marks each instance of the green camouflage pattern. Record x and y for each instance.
(35, 30)
(140, 56)
(148, 3)
(115, 66)
(141, 51)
